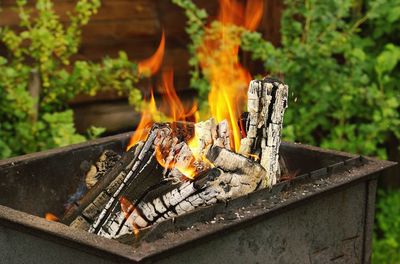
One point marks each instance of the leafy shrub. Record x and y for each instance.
(386, 246)
(38, 78)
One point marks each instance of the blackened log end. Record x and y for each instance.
(213, 153)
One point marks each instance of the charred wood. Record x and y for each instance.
(106, 162)
(267, 101)
(233, 175)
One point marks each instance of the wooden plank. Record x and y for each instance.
(113, 116)
(109, 11)
(175, 16)
(118, 31)
(271, 22)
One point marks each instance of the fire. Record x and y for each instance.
(194, 146)
(247, 16)
(218, 55)
(148, 67)
(127, 208)
(219, 59)
(254, 13)
(51, 217)
(253, 156)
(176, 112)
(172, 104)
(151, 65)
(189, 171)
(148, 115)
(172, 110)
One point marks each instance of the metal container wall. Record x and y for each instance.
(329, 223)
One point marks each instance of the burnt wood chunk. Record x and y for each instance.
(106, 161)
(240, 175)
(140, 173)
(233, 175)
(210, 133)
(124, 164)
(267, 101)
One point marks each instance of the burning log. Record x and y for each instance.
(233, 175)
(267, 101)
(83, 213)
(90, 210)
(209, 133)
(140, 170)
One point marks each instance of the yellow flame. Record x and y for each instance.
(219, 59)
(189, 171)
(172, 110)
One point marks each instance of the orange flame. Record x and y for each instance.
(254, 13)
(51, 217)
(219, 59)
(176, 112)
(171, 99)
(151, 65)
(235, 13)
(144, 123)
(172, 108)
(189, 171)
(148, 67)
(127, 208)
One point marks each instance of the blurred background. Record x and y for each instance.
(76, 70)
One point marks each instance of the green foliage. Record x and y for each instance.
(196, 19)
(39, 78)
(341, 75)
(386, 247)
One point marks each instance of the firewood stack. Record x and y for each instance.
(163, 177)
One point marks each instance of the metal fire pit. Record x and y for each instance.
(325, 214)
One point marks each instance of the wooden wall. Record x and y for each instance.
(135, 26)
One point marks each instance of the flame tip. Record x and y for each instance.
(152, 64)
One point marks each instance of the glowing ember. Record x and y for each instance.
(188, 171)
(51, 217)
(127, 208)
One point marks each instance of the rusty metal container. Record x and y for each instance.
(323, 215)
